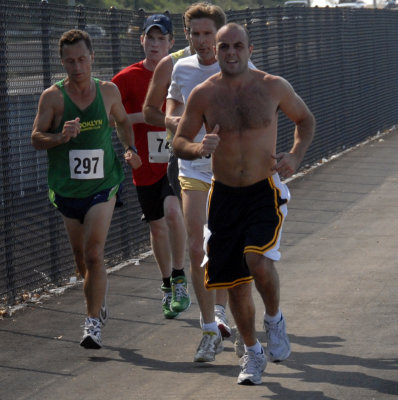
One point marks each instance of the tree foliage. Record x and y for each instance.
(173, 6)
(178, 6)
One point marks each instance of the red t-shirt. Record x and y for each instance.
(133, 82)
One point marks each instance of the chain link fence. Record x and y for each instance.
(341, 61)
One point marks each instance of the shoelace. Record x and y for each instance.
(206, 344)
(92, 326)
(250, 363)
(181, 291)
(166, 298)
(274, 333)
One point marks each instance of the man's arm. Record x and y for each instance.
(174, 111)
(136, 118)
(41, 138)
(297, 111)
(124, 129)
(121, 84)
(157, 92)
(191, 121)
(175, 102)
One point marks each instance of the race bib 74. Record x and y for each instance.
(158, 147)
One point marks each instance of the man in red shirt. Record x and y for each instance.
(160, 206)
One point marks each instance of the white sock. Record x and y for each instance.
(272, 320)
(257, 348)
(212, 327)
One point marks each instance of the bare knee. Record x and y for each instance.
(78, 255)
(196, 252)
(172, 211)
(239, 294)
(94, 257)
(260, 267)
(158, 230)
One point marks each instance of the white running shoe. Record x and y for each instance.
(253, 366)
(278, 346)
(210, 345)
(104, 311)
(239, 346)
(91, 334)
(222, 321)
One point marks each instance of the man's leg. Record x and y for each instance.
(160, 242)
(88, 242)
(176, 229)
(177, 235)
(96, 227)
(243, 310)
(75, 231)
(266, 279)
(194, 209)
(267, 283)
(254, 361)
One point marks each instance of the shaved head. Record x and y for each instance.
(231, 26)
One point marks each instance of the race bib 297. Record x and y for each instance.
(86, 164)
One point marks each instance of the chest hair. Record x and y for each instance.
(245, 109)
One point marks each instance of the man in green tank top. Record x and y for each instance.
(84, 173)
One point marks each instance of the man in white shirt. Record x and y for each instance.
(203, 21)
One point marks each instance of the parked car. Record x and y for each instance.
(352, 4)
(95, 30)
(296, 3)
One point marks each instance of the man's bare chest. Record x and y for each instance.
(237, 113)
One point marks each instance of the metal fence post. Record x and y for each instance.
(81, 19)
(52, 219)
(115, 42)
(45, 43)
(6, 200)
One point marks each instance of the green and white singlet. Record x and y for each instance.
(88, 163)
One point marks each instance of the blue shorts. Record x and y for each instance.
(76, 208)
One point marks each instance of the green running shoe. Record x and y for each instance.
(180, 300)
(167, 312)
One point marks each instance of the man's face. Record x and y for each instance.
(233, 50)
(188, 37)
(155, 44)
(77, 61)
(202, 33)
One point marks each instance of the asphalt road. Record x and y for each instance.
(338, 294)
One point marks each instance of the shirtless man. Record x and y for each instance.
(154, 115)
(247, 200)
(84, 173)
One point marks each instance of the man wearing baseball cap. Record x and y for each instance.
(160, 206)
(163, 22)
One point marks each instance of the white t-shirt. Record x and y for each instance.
(188, 73)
